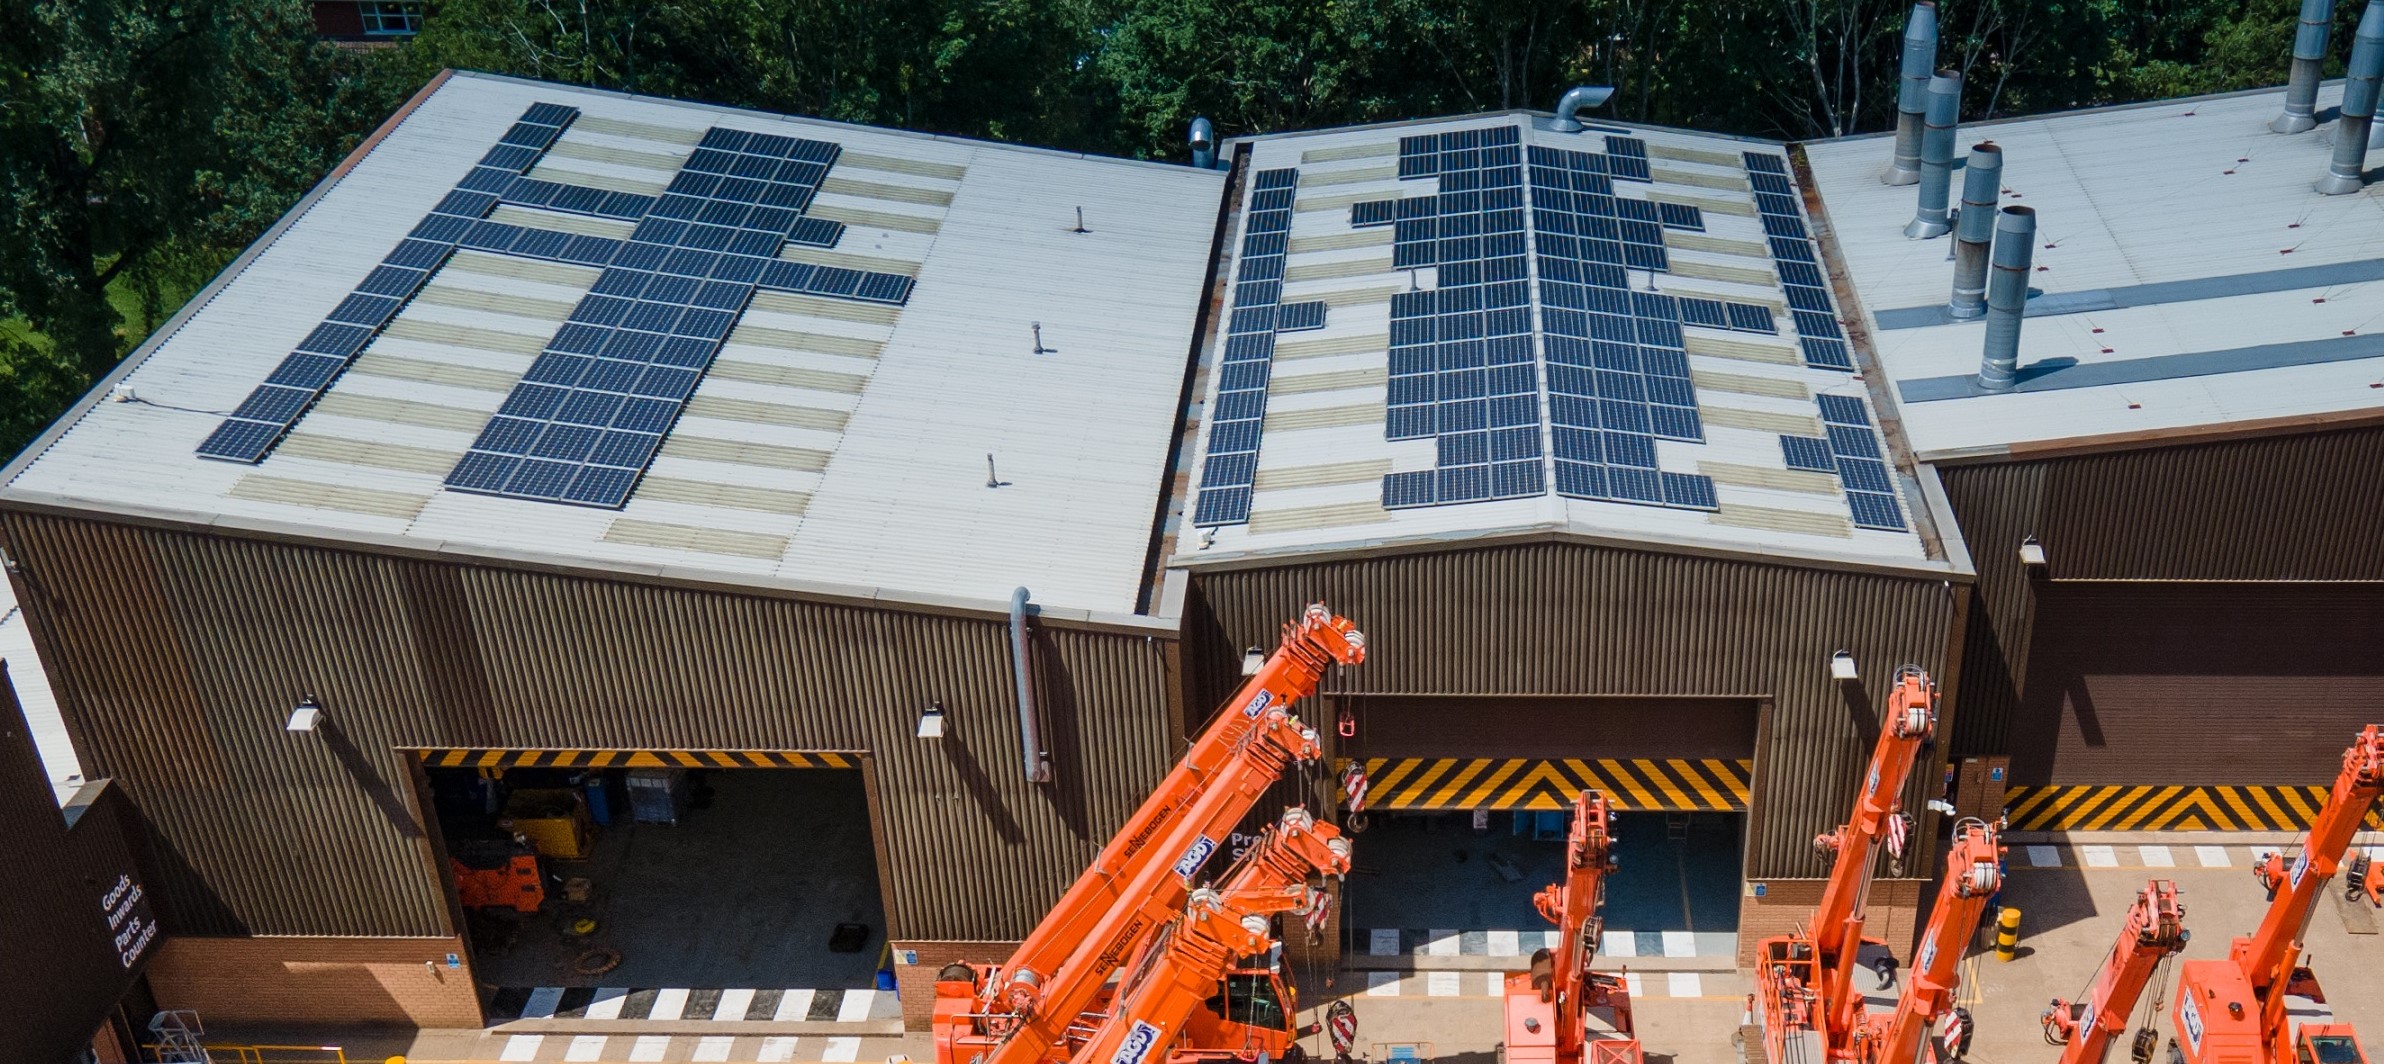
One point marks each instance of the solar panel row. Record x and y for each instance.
(1855, 455)
(261, 420)
(1809, 303)
(1231, 463)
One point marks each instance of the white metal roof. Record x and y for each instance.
(2179, 228)
(835, 444)
(35, 696)
(1321, 468)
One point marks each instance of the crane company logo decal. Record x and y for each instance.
(1259, 702)
(1137, 1045)
(2300, 868)
(2086, 1018)
(1928, 955)
(1873, 786)
(1193, 858)
(2193, 1024)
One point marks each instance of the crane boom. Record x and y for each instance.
(1219, 926)
(2154, 932)
(1973, 872)
(1548, 1007)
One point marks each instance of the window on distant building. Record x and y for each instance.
(387, 19)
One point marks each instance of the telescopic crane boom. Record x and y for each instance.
(1022, 1011)
(1548, 1007)
(2233, 1011)
(1973, 873)
(2155, 931)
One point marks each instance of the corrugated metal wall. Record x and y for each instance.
(1567, 619)
(2295, 507)
(181, 654)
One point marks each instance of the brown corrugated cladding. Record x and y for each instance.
(2288, 507)
(1558, 618)
(180, 653)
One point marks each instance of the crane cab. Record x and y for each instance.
(1252, 1014)
(2332, 1043)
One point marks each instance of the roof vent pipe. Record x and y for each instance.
(2007, 297)
(1912, 93)
(2360, 83)
(2309, 61)
(1577, 99)
(1974, 229)
(1937, 156)
(1203, 139)
(1030, 725)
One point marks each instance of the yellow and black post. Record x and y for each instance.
(2007, 933)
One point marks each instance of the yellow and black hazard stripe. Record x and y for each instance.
(1670, 784)
(634, 759)
(2073, 807)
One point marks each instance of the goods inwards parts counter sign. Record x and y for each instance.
(126, 906)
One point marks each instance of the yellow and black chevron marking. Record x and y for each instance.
(2153, 808)
(633, 759)
(1670, 784)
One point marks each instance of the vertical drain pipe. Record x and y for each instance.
(1030, 726)
(2309, 62)
(1912, 93)
(2360, 84)
(1974, 229)
(2007, 297)
(1937, 155)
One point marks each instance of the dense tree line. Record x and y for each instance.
(143, 142)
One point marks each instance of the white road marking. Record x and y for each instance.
(522, 1047)
(842, 1050)
(2213, 857)
(2098, 856)
(713, 1047)
(1497, 984)
(777, 1049)
(2158, 857)
(606, 1005)
(794, 1007)
(1505, 943)
(1684, 984)
(1383, 941)
(733, 1004)
(1680, 944)
(1382, 984)
(542, 1004)
(855, 1006)
(1440, 943)
(2044, 857)
(1442, 984)
(1635, 983)
(585, 1047)
(1619, 943)
(668, 1004)
(650, 1047)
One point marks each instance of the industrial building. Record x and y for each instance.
(817, 539)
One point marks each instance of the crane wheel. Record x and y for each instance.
(597, 961)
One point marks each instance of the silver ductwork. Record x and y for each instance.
(1912, 93)
(2309, 62)
(2007, 297)
(1577, 99)
(2360, 84)
(1032, 757)
(1974, 229)
(1203, 139)
(1937, 156)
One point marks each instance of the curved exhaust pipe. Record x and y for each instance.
(1577, 99)
(1030, 725)
(1203, 139)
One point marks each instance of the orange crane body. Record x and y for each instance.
(1973, 872)
(1548, 1008)
(1805, 981)
(1031, 1007)
(2155, 931)
(2233, 1011)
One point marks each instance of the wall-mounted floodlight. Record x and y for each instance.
(2032, 553)
(306, 716)
(931, 721)
(1841, 667)
(1252, 661)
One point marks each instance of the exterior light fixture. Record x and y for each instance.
(1841, 667)
(306, 716)
(931, 721)
(2032, 553)
(1252, 661)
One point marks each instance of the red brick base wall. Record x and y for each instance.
(363, 981)
(1787, 904)
(915, 965)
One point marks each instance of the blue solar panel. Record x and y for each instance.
(1853, 451)
(1809, 453)
(1748, 317)
(1235, 420)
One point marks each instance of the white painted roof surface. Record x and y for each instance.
(1765, 509)
(901, 409)
(35, 696)
(2148, 194)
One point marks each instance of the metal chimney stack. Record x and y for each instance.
(2309, 62)
(2007, 297)
(1974, 229)
(1937, 155)
(1912, 93)
(2360, 84)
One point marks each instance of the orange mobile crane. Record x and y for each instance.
(2154, 932)
(2234, 1011)
(1045, 1001)
(1548, 1007)
(1973, 873)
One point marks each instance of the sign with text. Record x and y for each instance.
(131, 923)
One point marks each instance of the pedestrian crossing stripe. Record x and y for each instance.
(634, 759)
(1630, 784)
(2072, 807)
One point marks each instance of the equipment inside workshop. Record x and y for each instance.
(1468, 870)
(664, 876)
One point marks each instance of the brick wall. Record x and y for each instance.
(278, 980)
(915, 981)
(1788, 904)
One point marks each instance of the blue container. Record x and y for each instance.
(885, 978)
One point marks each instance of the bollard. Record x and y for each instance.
(2007, 933)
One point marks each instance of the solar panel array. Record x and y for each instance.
(1461, 365)
(261, 420)
(1258, 312)
(1809, 302)
(588, 417)
(1850, 448)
